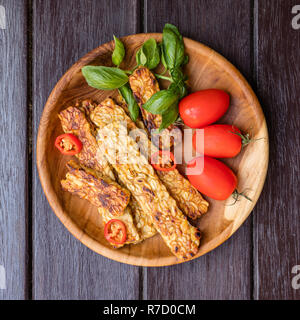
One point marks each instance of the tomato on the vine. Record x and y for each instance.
(215, 180)
(203, 107)
(220, 141)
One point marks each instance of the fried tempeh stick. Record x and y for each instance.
(74, 120)
(144, 85)
(189, 200)
(142, 221)
(138, 176)
(84, 182)
(100, 191)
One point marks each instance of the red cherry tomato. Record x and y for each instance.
(220, 141)
(203, 107)
(216, 180)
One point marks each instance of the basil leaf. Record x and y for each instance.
(148, 55)
(174, 29)
(161, 101)
(118, 53)
(173, 47)
(141, 58)
(169, 117)
(151, 51)
(104, 78)
(162, 57)
(129, 98)
(163, 60)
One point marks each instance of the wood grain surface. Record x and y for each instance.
(62, 267)
(276, 229)
(13, 158)
(256, 262)
(208, 21)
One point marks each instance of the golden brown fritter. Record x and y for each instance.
(189, 200)
(137, 225)
(102, 192)
(139, 177)
(80, 186)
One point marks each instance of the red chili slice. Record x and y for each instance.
(158, 166)
(115, 235)
(68, 144)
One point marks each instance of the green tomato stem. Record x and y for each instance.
(246, 138)
(236, 195)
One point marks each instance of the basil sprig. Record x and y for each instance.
(118, 53)
(127, 95)
(104, 78)
(170, 52)
(149, 54)
(173, 58)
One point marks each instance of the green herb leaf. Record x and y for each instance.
(151, 51)
(173, 47)
(174, 29)
(129, 98)
(163, 60)
(169, 117)
(141, 58)
(161, 101)
(104, 78)
(148, 55)
(118, 53)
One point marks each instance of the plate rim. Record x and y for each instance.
(68, 222)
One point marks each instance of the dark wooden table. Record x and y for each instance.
(42, 39)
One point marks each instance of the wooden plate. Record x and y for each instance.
(206, 69)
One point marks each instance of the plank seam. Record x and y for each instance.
(28, 280)
(253, 76)
(141, 283)
(254, 62)
(143, 270)
(143, 15)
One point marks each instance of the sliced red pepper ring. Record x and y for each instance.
(115, 231)
(68, 144)
(163, 154)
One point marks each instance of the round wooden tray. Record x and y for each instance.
(206, 69)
